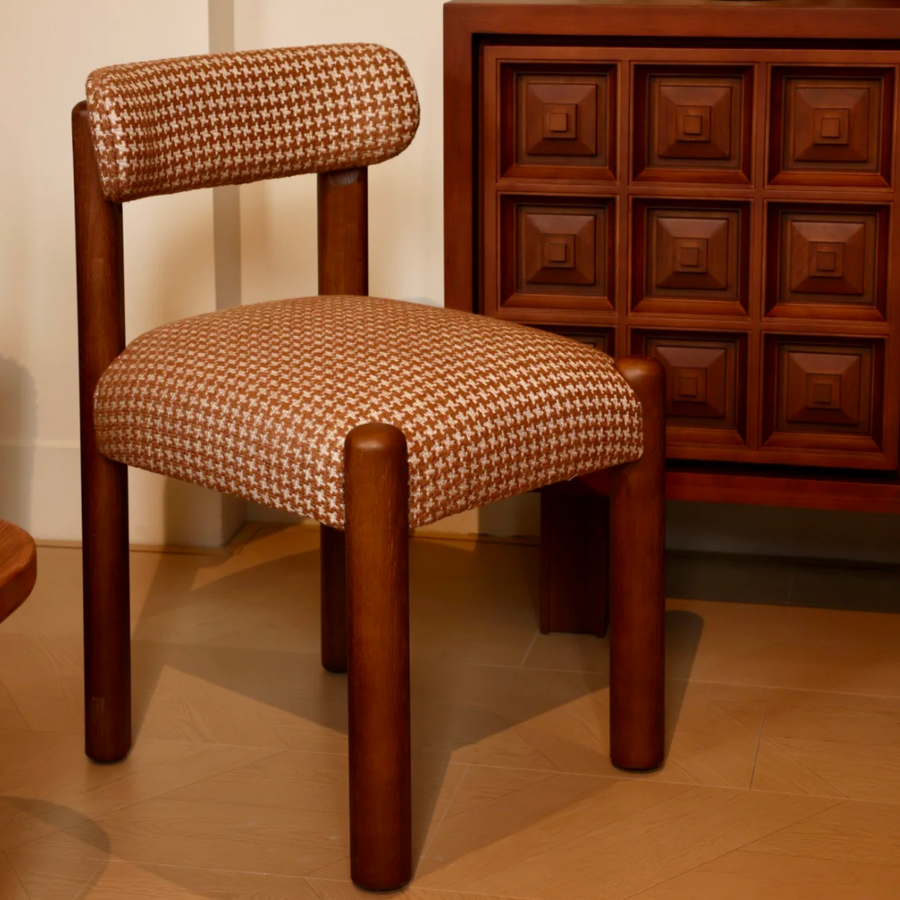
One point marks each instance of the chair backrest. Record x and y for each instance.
(203, 121)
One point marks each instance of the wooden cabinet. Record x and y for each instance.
(711, 184)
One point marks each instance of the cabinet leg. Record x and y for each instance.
(376, 493)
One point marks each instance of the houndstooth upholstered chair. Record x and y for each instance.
(368, 415)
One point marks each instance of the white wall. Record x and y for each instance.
(195, 252)
(47, 47)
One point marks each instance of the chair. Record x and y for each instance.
(369, 415)
(18, 568)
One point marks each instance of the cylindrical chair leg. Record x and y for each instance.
(376, 491)
(104, 484)
(637, 598)
(107, 617)
(333, 595)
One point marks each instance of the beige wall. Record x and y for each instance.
(47, 47)
(196, 252)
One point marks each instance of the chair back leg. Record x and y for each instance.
(333, 599)
(376, 491)
(104, 484)
(637, 583)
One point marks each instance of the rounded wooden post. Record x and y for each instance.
(104, 484)
(637, 583)
(343, 269)
(333, 595)
(343, 206)
(376, 491)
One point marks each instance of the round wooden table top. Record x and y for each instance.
(18, 567)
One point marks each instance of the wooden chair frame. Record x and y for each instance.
(365, 589)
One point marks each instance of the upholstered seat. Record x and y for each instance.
(257, 402)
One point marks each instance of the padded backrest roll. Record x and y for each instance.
(202, 121)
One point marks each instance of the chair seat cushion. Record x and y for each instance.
(256, 402)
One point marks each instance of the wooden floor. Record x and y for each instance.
(782, 778)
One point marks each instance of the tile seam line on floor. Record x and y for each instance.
(759, 737)
(430, 840)
(81, 893)
(18, 877)
(412, 886)
(12, 700)
(594, 831)
(118, 809)
(781, 687)
(537, 632)
(771, 834)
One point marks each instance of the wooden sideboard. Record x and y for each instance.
(709, 182)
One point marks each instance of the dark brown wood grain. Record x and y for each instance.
(18, 567)
(637, 583)
(574, 594)
(104, 484)
(333, 599)
(343, 207)
(752, 166)
(343, 245)
(376, 493)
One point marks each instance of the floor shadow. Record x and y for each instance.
(58, 817)
(254, 631)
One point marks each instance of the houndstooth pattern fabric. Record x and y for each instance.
(257, 401)
(201, 121)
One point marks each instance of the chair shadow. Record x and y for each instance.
(59, 817)
(184, 624)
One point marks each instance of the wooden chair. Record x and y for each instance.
(368, 415)
(18, 568)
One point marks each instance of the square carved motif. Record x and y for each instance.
(824, 256)
(702, 377)
(690, 259)
(693, 254)
(558, 249)
(833, 122)
(822, 387)
(560, 120)
(692, 120)
(556, 255)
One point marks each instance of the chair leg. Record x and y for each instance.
(107, 617)
(637, 601)
(574, 563)
(376, 491)
(333, 599)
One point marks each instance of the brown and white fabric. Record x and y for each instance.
(201, 121)
(257, 401)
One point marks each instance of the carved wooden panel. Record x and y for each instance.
(603, 339)
(692, 123)
(831, 123)
(556, 255)
(704, 383)
(560, 116)
(823, 392)
(828, 261)
(690, 258)
(748, 245)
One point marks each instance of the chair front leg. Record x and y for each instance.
(376, 491)
(637, 583)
